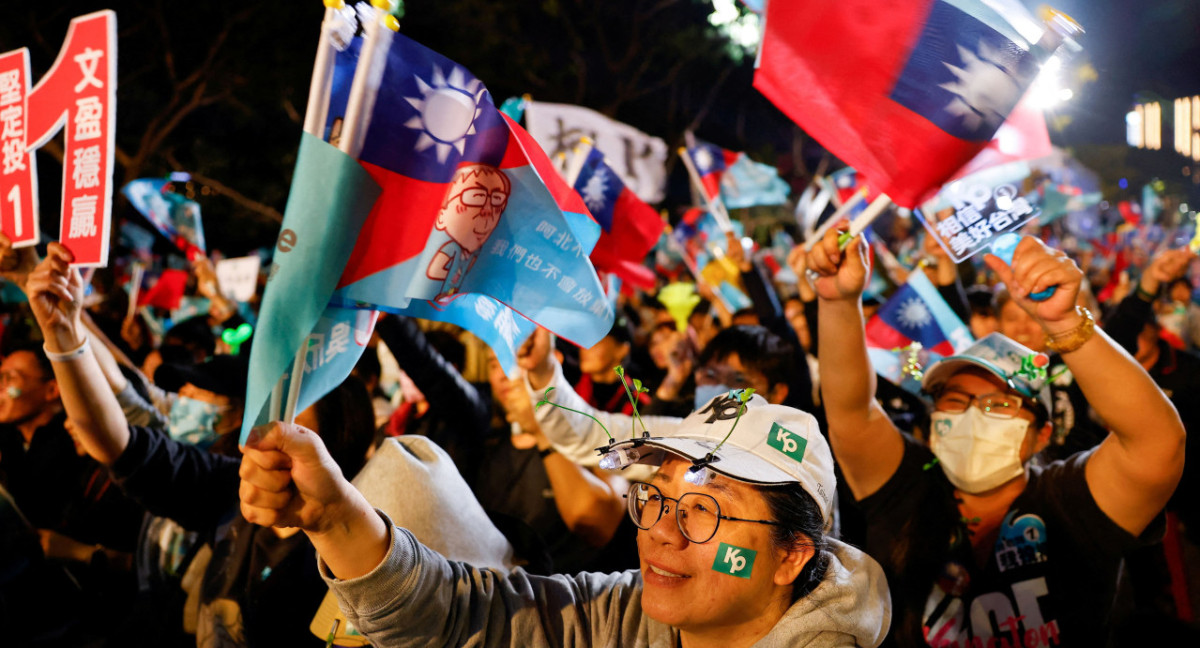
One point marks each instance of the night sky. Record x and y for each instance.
(1141, 50)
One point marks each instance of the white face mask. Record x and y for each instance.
(978, 452)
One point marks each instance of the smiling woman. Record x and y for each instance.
(732, 546)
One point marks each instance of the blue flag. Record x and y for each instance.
(748, 183)
(330, 198)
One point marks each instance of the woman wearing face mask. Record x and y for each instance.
(980, 546)
(260, 587)
(732, 548)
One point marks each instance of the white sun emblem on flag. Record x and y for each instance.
(914, 315)
(446, 111)
(704, 160)
(594, 190)
(986, 90)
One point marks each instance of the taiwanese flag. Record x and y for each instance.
(711, 162)
(470, 203)
(917, 313)
(630, 227)
(905, 92)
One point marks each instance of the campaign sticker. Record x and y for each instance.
(735, 561)
(787, 442)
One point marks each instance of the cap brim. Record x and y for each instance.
(941, 371)
(731, 461)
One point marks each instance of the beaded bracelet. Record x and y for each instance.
(67, 356)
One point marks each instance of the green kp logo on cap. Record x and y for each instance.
(735, 561)
(787, 442)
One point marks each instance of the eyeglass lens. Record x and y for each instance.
(695, 513)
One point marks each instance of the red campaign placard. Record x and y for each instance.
(79, 93)
(18, 176)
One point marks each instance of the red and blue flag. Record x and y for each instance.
(470, 203)
(629, 227)
(711, 162)
(905, 92)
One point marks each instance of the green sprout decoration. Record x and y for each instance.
(613, 458)
(633, 400)
(546, 401)
(700, 474)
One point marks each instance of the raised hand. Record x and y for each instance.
(842, 274)
(797, 260)
(534, 357)
(290, 480)
(1035, 268)
(1165, 267)
(16, 264)
(55, 292)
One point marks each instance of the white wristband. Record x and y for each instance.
(67, 356)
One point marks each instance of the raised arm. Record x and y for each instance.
(866, 443)
(591, 507)
(1133, 472)
(55, 295)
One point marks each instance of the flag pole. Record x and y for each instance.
(842, 210)
(367, 76)
(135, 287)
(576, 160)
(322, 76)
(714, 206)
(864, 220)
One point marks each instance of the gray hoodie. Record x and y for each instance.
(415, 597)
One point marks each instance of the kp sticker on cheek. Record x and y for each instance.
(735, 561)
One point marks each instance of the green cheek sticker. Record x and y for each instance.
(735, 561)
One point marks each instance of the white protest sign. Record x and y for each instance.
(968, 214)
(239, 277)
(639, 159)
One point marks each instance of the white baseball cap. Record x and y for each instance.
(770, 445)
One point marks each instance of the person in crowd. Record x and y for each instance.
(599, 383)
(979, 545)
(738, 559)
(256, 577)
(578, 513)
(526, 488)
(672, 351)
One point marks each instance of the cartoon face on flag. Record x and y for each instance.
(474, 203)
(470, 203)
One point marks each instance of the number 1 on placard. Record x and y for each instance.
(14, 197)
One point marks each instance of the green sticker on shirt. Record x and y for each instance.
(787, 442)
(735, 561)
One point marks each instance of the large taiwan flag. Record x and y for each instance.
(905, 92)
(630, 227)
(470, 203)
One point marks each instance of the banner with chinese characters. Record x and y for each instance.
(639, 159)
(967, 214)
(77, 94)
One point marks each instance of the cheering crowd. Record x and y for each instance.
(758, 484)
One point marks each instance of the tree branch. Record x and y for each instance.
(225, 190)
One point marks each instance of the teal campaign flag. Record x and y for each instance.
(330, 198)
(747, 183)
